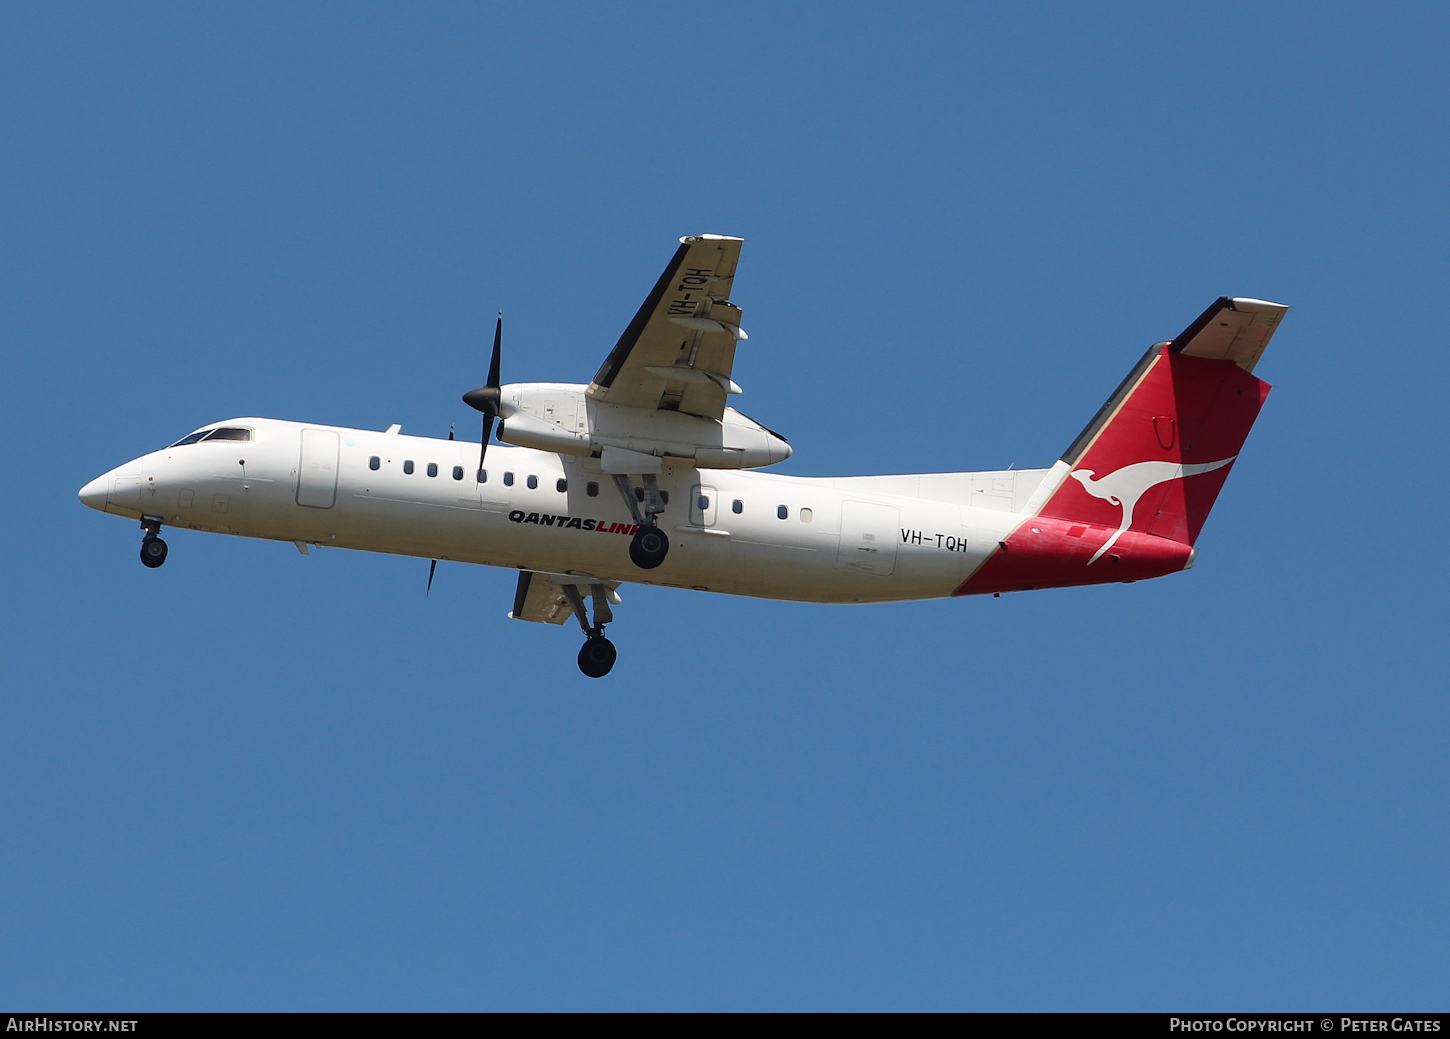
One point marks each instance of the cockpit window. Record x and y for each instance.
(230, 433)
(192, 439)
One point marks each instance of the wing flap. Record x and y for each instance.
(540, 597)
(540, 600)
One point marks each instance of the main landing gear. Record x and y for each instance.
(153, 549)
(597, 655)
(650, 544)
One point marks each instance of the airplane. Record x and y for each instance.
(646, 475)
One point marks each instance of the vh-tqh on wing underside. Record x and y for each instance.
(678, 352)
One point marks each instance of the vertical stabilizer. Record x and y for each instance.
(1130, 495)
(1156, 460)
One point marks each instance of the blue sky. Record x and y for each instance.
(253, 780)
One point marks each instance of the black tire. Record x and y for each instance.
(596, 657)
(153, 552)
(649, 547)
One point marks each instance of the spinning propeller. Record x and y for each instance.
(484, 399)
(433, 564)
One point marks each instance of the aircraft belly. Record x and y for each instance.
(765, 558)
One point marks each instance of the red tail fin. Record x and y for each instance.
(1139, 481)
(1157, 455)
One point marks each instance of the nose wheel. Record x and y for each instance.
(153, 549)
(153, 552)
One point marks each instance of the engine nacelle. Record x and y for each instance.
(560, 417)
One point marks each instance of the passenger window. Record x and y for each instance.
(737, 506)
(458, 472)
(807, 515)
(482, 476)
(562, 486)
(665, 497)
(592, 489)
(508, 479)
(231, 433)
(374, 462)
(781, 512)
(639, 494)
(408, 467)
(533, 482)
(704, 502)
(191, 439)
(432, 468)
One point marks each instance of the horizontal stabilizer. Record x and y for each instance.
(1234, 330)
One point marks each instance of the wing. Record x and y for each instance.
(540, 600)
(540, 597)
(678, 352)
(1232, 330)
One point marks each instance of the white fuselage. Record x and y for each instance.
(867, 539)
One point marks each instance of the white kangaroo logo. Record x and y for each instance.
(1123, 487)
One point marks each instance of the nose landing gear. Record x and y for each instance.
(153, 549)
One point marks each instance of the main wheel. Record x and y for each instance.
(649, 547)
(596, 657)
(153, 552)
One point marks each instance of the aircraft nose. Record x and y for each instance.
(94, 494)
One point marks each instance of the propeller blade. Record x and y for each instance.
(432, 566)
(487, 432)
(497, 352)
(485, 398)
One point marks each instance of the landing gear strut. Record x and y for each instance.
(650, 544)
(597, 655)
(153, 549)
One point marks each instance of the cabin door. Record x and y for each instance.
(702, 506)
(317, 471)
(868, 538)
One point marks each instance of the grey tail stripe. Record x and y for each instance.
(615, 361)
(1075, 451)
(1186, 336)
